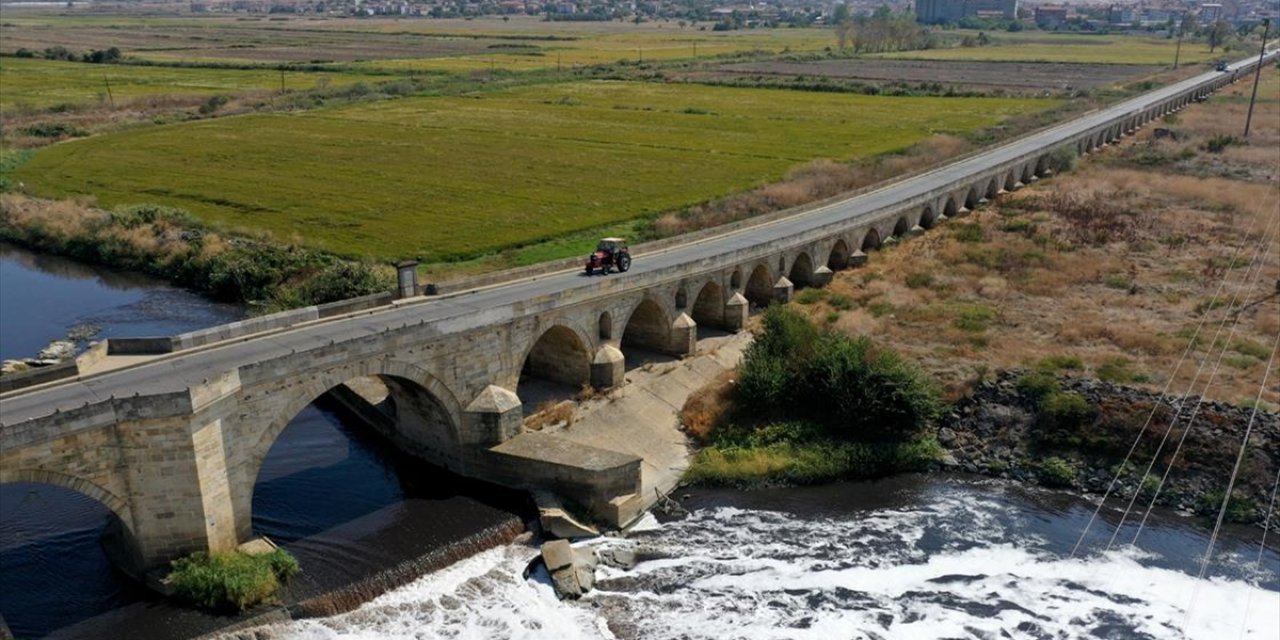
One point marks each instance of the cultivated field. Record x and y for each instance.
(457, 176)
(1012, 75)
(37, 83)
(1089, 49)
(521, 43)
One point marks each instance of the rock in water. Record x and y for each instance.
(573, 571)
(57, 350)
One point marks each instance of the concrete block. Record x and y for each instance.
(822, 276)
(736, 311)
(783, 290)
(608, 367)
(858, 259)
(684, 336)
(495, 415)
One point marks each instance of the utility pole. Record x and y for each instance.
(1257, 75)
(1178, 50)
(111, 99)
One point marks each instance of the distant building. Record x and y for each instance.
(1050, 16)
(1210, 13)
(1122, 14)
(935, 11)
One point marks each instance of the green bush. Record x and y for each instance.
(1036, 386)
(1063, 159)
(969, 232)
(810, 296)
(1056, 472)
(1062, 411)
(920, 280)
(1240, 509)
(858, 393)
(974, 318)
(1060, 363)
(231, 582)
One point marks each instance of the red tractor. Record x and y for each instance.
(610, 254)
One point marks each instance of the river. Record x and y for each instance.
(341, 499)
(912, 557)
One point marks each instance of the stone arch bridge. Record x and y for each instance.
(173, 446)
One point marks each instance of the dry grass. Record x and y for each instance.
(551, 413)
(707, 408)
(1114, 263)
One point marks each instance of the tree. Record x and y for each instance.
(843, 22)
(1217, 33)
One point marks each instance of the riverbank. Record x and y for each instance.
(1074, 433)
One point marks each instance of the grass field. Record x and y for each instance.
(1053, 47)
(41, 83)
(459, 176)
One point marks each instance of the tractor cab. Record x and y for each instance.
(611, 253)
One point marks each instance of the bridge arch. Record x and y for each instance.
(115, 504)
(648, 327)
(682, 296)
(901, 227)
(950, 208)
(760, 286)
(927, 217)
(735, 280)
(801, 273)
(1028, 172)
(972, 199)
(560, 354)
(605, 325)
(839, 257)
(708, 307)
(993, 189)
(1010, 182)
(871, 240)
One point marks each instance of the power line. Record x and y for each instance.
(1231, 485)
(1262, 546)
(1200, 401)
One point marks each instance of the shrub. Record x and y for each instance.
(1063, 412)
(974, 318)
(52, 130)
(1056, 472)
(1220, 142)
(1240, 509)
(970, 232)
(1035, 386)
(840, 301)
(1060, 363)
(919, 280)
(1063, 159)
(214, 103)
(810, 296)
(1117, 370)
(231, 582)
(858, 393)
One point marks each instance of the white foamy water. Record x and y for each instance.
(964, 563)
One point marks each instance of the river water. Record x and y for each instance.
(911, 557)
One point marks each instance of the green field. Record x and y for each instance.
(452, 176)
(43, 83)
(1052, 47)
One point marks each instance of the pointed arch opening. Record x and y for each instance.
(801, 274)
(928, 218)
(839, 257)
(951, 209)
(759, 287)
(901, 227)
(871, 241)
(605, 326)
(993, 189)
(1010, 182)
(708, 309)
(972, 199)
(647, 335)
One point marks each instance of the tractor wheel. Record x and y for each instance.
(590, 271)
(624, 262)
